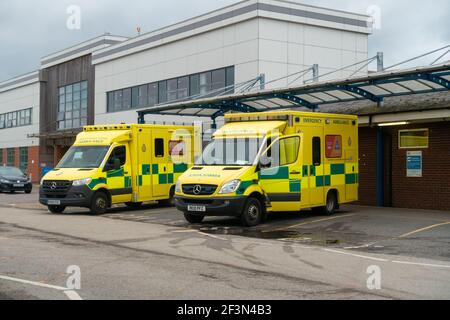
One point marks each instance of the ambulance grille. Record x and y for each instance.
(199, 189)
(56, 186)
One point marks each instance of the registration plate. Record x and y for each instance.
(197, 208)
(19, 185)
(54, 202)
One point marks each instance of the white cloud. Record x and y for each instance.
(32, 29)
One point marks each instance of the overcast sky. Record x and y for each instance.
(31, 29)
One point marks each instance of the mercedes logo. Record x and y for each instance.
(53, 185)
(197, 189)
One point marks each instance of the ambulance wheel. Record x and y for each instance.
(169, 202)
(191, 218)
(253, 213)
(56, 209)
(99, 203)
(330, 207)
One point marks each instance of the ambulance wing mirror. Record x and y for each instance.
(264, 162)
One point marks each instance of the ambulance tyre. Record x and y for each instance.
(56, 209)
(193, 218)
(99, 203)
(253, 213)
(169, 202)
(331, 205)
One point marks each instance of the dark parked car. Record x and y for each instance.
(13, 179)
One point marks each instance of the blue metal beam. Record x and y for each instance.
(298, 101)
(435, 79)
(361, 92)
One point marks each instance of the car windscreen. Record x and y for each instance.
(11, 172)
(88, 157)
(230, 151)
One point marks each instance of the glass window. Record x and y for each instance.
(126, 104)
(230, 151)
(333, 146)
(10, 157)
(230, 76)
(118, 153)
(72, 98)
(172, 88)
(153, 94)
(162, 85)
(159, 147)
(316, 152)
(194, 85)
(289, 148)
(183, 87)
(218, 79)
(83, 157)
(23, 159)
(1, 157)
(2, 121)
(413, 139)
(205, 82)
(117, 100)
(110, 103)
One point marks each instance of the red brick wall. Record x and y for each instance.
(432, 191)
(34, 164)
(367, 166)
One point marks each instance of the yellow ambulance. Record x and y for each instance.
(260, 163)
(114, 164)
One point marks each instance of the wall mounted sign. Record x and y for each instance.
(414, 164)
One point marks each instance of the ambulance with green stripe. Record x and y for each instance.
(115, 164)
(262, 163)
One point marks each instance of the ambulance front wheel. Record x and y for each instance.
(99, 203)
(253, 213)
(56, 209)
(191, 218)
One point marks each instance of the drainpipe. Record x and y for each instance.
(380, 167)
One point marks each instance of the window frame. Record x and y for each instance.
(158, 143)
(427, 130)
(314, 151)
(72, 104)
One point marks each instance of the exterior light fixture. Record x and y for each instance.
(390, 124)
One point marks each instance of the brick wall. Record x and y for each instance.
(432, 191)
(34, 164)
(367, 166)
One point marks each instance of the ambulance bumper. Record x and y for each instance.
(230, 206)
(79, 196)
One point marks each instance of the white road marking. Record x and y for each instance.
(309, 222)
(423, 264)
(424, 229)
(356, 255)
(71, 294)
(212, 236)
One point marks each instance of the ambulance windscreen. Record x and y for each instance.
(83, 157)
(230, 152)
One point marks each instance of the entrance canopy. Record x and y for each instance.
(375, 87)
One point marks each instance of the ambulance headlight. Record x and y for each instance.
(81, 182)
(230, 187)
(178, 187)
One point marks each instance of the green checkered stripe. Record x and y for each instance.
(112, 177)
(335, 169)
(151, 171)
(281, 173)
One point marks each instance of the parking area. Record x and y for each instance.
(415, 233)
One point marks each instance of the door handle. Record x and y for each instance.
(295, 172)
(125, 172)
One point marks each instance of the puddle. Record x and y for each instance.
(284, 235)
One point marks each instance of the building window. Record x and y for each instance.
(413, 139)
(15, 119)
(214, 82)
(72, 106)
(10, 157)
(1, 157)
(23, 158)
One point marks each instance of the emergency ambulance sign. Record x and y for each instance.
(414, 164)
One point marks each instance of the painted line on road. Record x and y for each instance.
(423, 264)
(356, 255)
(212, 236)
(423, 229)
(71, 294)
(309, 222)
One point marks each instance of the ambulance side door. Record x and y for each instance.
(280, 173)
(119, 180)
(160, 163)
(144, 177)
